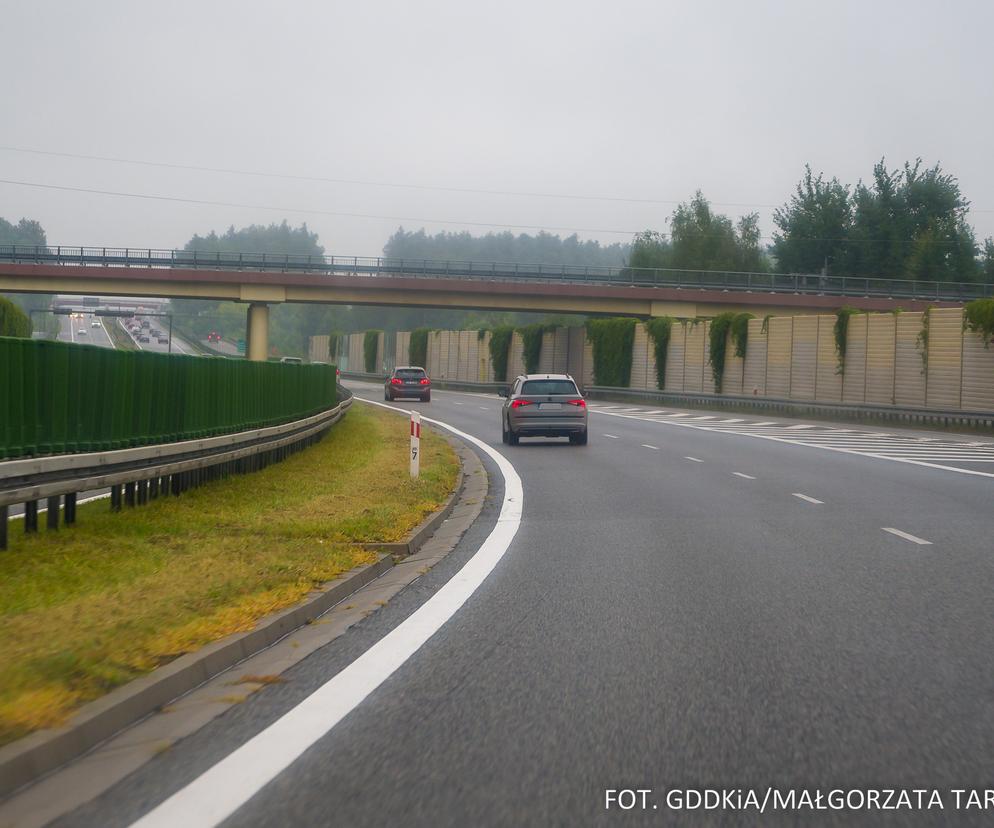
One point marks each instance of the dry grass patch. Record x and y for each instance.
(85, 610)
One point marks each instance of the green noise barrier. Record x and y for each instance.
(58, 398)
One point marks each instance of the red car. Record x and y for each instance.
(213, 336)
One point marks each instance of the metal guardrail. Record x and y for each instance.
(800, 283)
(138, 475)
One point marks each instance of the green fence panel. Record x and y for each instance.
(58, 397)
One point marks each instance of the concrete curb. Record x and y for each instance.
(27, 759)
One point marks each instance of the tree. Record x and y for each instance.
(650, 249)
(290, 324)
(813, 226)
(542, 248)
(987, 262)
(703, 240)
(911, 223)
(29, 232)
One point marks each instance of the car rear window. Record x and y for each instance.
(409, 372)
(549, 386)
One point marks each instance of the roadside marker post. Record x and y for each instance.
(415, 445)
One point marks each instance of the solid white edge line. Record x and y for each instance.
(906, 536)
(224, 788)
(807, 498)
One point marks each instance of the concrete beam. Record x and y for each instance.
(409, 291)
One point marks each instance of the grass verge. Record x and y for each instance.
(118, 336)
(85, 610)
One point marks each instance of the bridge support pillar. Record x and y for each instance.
(257, 332)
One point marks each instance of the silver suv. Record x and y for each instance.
(543, 405)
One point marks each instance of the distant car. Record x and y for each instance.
(143, 338)
(82, 332)
(163, 340)
(94, 324)
(408, 381)
(543, 405)
(213, 336)
(292, 361)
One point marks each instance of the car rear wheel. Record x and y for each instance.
(512, 438)
(426, 397)
(388, 396)
(578, 439)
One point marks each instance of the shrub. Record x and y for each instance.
(500, 346)
(370, 349)
(13, 321)
(978, 316)
(740, 333)
(612, 340)
(417, 348)
(531, 337)
(659, 330)
(841, 330)
(718, 334)
(335, 341)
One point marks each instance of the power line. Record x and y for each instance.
(360, 182)
(488, 225)
(309, 211)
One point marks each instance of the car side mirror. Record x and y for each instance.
(502, 392)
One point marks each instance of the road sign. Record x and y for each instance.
(415, 445)
(241, 346)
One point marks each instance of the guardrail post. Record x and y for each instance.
(141, 487)
(129, 494)
(69, 516)
(52, 513)
(115, 498)
(31, 516)
(4, 515)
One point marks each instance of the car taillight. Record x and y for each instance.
(520, 403)
(395, 381)
(578, 403)
(426, 381)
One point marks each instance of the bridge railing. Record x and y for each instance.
(800, 283)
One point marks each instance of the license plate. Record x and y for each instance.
(550, 406)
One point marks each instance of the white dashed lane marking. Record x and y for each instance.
(612, 436)
(744, 476)
(807, 498)
(945, 453)
(694, 459)
(654, 448)
(906, 536)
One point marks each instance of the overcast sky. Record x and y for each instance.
(619, 100)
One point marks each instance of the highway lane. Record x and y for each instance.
(671, 613)
(82, 330)
(179, 345)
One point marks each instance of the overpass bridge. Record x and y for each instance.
(263, 279)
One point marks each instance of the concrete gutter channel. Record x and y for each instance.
(108, 720)
(982, 421)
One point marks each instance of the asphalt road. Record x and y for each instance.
(82, 331)
(683, 606)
